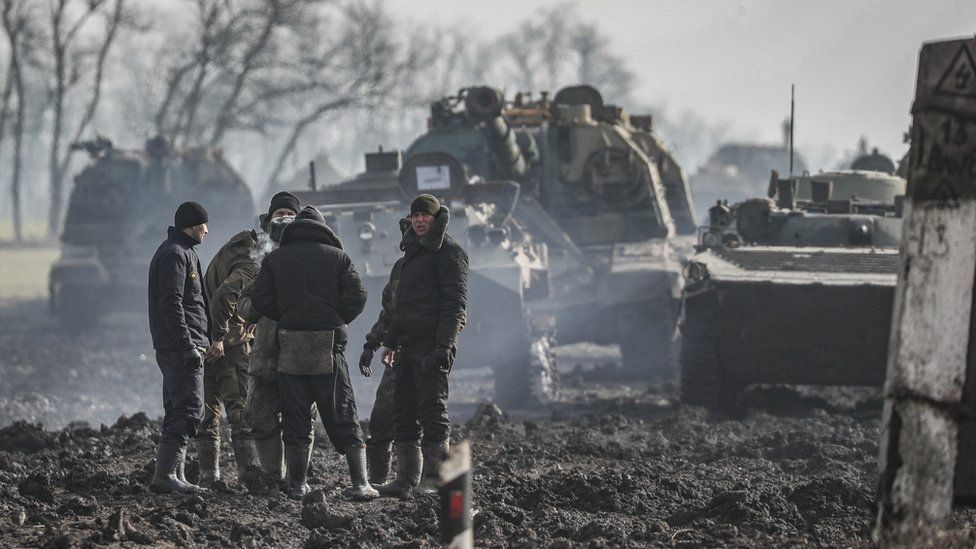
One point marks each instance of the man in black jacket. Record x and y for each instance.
(427, 301)
(179, 322)
(310, 287)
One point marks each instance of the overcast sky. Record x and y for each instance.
(853, 61)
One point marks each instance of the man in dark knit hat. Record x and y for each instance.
(310, 287)
(179, 321)
(423, 311)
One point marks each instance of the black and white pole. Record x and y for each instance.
(926, 448)
(455, 494)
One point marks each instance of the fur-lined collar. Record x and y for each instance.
(309, 230)
(434, 238)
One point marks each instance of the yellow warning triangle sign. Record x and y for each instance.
(959, 80)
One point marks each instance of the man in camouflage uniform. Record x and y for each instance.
(225, 377)
(262, 408)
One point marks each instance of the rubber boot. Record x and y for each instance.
(245, 454)
(297, 457)
(378, 459)
(360, 489)
(208, 457)
(165, 479)
(434, 455)
(181, 464)
(407, 471)
(269, 454)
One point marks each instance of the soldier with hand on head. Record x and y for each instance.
(179, 321)
(310, 287)
(424, 310)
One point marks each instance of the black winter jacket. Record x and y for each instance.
(429, 287)
(308, 283)
(178, 315)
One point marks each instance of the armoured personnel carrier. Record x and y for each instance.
(118, 211)
(508, 269)
(795, 290)
(603, 194)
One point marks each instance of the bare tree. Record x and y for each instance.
(74, 55)
(16, 18)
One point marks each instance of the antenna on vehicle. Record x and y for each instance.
(792, 118)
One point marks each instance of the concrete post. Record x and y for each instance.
(926, 402)
(455, 495)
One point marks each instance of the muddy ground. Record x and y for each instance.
(617, 463)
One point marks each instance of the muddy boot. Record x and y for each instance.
(165, 479)
(378, 460)
(269, 454)
(297, 457)
(360, 489)
(245, 455)
(407, 471)
(208, 458)
(434, 455)
(181, 464)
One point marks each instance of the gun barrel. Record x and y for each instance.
(504, 147)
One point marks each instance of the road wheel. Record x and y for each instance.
(528, 378)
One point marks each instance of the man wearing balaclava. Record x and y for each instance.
(310, 287)
(423, 312)
(226, 377)
(179, 322)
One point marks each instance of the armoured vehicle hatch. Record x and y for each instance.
(508, 269)
(798, 290)
(118, 211)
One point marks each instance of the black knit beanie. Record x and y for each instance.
(425, 203)
(284, 199)
(311, 212)
(190, 214)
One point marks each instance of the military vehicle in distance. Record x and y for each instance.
(798, 290)
(508, 270)
(603, 194)
(117, 214)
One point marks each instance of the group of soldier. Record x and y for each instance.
(261, 334)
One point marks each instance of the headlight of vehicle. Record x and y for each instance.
(367, 231)
(696, 271)
(712, 239)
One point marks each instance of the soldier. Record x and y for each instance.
(179, 321)
(261, 407)
(427, 297)
(225, 377)
(310, 287)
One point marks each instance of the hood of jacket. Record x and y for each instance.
(309, 230)
(243, 243)
(434, 238)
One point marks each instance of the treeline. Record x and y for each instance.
(271, 82)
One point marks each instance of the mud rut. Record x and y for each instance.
(613, 466)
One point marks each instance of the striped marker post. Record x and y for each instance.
(455, 494)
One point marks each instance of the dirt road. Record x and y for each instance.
(616, 464)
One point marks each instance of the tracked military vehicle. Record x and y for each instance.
(508, 271)
(603, 194)
(117, 214)
(796, 290)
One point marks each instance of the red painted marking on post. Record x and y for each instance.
(455, 505)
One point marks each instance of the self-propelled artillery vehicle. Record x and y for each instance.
(117, 214)
(600, 190)
(796, 290)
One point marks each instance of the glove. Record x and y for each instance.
(443, 358)
(364, 360)
(192, 357)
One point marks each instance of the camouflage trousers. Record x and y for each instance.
(381, 431)
(225, 385)
(263, 408)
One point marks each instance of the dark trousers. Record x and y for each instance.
(381, 419)
(421, 395)
(225, 388)
(332, 394)
(182, 396)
